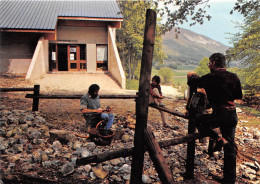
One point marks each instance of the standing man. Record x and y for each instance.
(222, 88)
(90, 107)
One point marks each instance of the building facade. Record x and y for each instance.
(39, 37)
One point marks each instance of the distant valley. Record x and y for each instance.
(189, 47)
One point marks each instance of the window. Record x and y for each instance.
(73, 65)
(83, 66)
(101, 52)
(73, 53)
(53, 63)
(102, 57)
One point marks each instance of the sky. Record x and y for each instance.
(221, 22)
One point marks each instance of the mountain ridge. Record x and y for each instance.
(190, 47)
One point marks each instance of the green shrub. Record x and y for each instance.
(166, 75)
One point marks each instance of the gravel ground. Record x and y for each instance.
(65, 114)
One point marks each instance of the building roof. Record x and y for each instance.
(43, 14)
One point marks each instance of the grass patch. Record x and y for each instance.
(179, 80)
(132, 84)
(249, 110)
(179, 73)
(186, 67)
(251, 116)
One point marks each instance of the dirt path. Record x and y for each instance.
(78, 83)
(169, 91)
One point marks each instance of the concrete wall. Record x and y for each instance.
(114, 63)
(39, 64)
(19, 66)
(97, 35)
(91, 57)
(16, 51)
(85, 35)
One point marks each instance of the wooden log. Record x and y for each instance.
(129, 151)
(15, 89)
(142, 101)
(35, 105)
(79, 96)
(169, 111)
(31, 177)
(105, 156)
(157, 157)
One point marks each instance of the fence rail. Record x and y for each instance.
(15, 89)
(79, 96)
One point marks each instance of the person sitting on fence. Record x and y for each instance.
(156, 97)
(90, 107)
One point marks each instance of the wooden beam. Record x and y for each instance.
(28, 30)
(84, 23)
(126, 152)
(142, 101)
(15, 89)
(169, 111)
(89, 18)
(157, 157)
(79, 96)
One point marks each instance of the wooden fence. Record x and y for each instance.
(35, 89)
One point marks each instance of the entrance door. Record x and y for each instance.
(62, 59)
(73, 58)
(77, 57)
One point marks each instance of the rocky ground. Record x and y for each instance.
(33, 152)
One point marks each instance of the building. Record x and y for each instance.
(52, 36)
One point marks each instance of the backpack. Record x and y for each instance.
(198, 102)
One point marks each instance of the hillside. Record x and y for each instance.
(189, 47)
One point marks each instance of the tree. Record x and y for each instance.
(166, 75)
(246, 48)
(130, 36)
(195, 11)
(203, 68)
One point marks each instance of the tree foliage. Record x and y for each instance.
(166, 75)
(195, 12)
(203, 68)
(130, 36)
(246, 48)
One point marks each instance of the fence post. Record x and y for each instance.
(191, 144)
(142, 102)
(36, 91)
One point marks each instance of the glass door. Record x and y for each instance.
(77, 58)
(73, 58)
